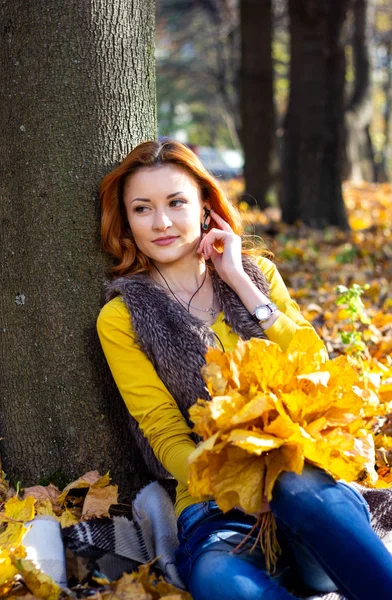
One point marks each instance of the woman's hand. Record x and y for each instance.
(228, 263)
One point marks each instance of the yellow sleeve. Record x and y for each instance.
(290, 320)
(143, 392)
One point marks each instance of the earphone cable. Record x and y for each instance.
(173, 294)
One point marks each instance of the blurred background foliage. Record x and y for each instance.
(300, 91)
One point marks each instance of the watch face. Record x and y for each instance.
(262, 313)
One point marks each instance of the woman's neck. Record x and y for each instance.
(183, 277)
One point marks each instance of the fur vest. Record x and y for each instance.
(175, 341)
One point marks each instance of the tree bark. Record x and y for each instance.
(313, 146)
(257, 103)
(79, 92)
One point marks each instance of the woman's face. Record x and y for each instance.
(164, 210)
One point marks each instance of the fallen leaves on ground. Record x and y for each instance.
(22, 578)
(96, 495)
(143, 585)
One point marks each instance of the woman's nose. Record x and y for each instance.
(161, 221)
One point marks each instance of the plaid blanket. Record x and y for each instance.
(119, 545)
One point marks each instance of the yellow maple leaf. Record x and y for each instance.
(12, 535)
(19, 510)
(67, 519)
(294, 402)
(7, 571)
(223, 408)
(221, 369)
(314, 428)
(283, 427)
(340, 454)
(267, 365)
(205, 446)
(203, 472)
(240, 482)
(45, 507)
(306, 352)
(253, 410)
(253, 442)
(310, 380)
(209, 417)
(39, 583)
(16, 512)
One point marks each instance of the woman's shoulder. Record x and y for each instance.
(266, 266)
(114, 310)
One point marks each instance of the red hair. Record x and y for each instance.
(115, 233)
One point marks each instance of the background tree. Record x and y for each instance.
(382, 96)
(359, 110)
(78, 83)
(257, 98)
(314, 124)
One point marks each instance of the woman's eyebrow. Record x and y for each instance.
(172, 195)
(148, 200)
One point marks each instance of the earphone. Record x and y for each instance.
(206, 215)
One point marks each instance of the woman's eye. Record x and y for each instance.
(140, 209)
(178, 200)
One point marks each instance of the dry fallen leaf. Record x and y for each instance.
(98, 501)
(90, 479)
(44, 493)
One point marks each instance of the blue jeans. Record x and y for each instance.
(324, 532)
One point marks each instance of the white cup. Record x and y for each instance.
(45, 548)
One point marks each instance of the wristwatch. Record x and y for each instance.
(263, 312)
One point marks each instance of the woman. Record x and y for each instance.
(182, 283)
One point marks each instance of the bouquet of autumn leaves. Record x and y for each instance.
(270, 411)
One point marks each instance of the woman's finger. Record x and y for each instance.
(213, 236)
(214, 255)
(221, 222)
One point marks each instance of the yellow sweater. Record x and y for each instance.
(145, 395)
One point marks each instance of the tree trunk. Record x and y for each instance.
(383, 167)
(314, 124)
(257, 103)
(360, 165)
(79, 83)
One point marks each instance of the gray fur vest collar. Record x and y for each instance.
(175, 341)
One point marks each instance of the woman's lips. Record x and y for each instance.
(166, 241)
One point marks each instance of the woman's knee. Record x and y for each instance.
(314, 492)
(310, 484)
